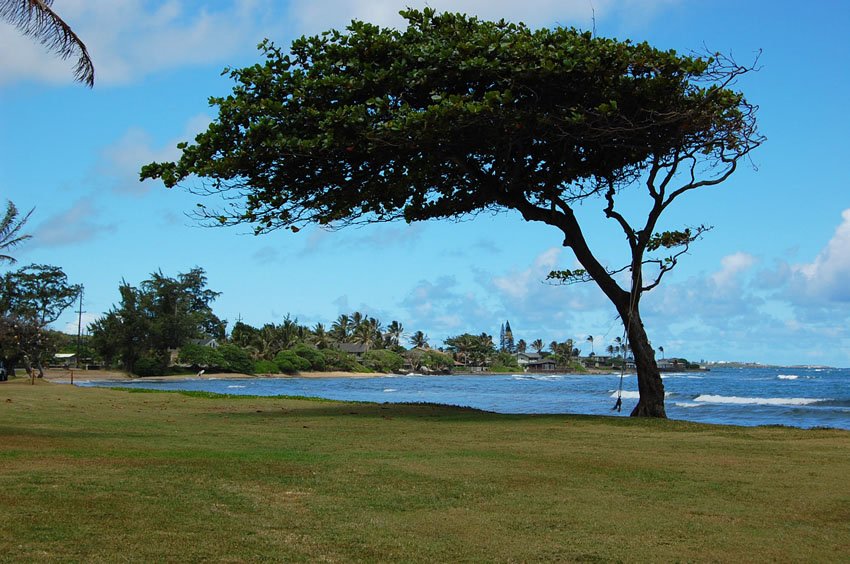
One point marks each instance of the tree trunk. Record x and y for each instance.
(650, 385)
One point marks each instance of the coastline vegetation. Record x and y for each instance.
(98, 475)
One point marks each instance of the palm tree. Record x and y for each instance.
(320, 337)
(521, 346)
(10, 231)
(661, 350)
(341, 328)
(395, 330)
(419, 340)
(36, 19)
(590, 340)
(537, 345)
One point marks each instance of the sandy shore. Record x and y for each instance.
(62, 376)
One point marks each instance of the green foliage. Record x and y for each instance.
(289, 362)
(436, 360)
(265, 367)
(236, 359)
(383, 361)
(149, 366)
(31, 298)
(472, 350)
(423, 115)
(162, 313)
(311, 355)
(503, 361)
(336, 360)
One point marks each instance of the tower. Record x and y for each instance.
(509, 338)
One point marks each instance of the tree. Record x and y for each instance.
(661, 350)
(455, 116)
(159, 315)
(589, 339)
(31, 298)
(419, 340)
(537, 345)
(37, 19)
(521, 346)
(10, 231)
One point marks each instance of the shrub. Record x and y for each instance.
(265, 367)
(236, 359)
(148, 366)
(339, 360)
(312, 355)
(383, 360)
(289, 363)
(436, 360)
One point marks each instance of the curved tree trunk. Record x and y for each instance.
(650, 385)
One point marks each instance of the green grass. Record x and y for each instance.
(99, 475)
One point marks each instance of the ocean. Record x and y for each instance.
(797, 397)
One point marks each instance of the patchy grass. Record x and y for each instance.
(100, 475)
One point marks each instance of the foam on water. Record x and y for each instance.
(707, 398)
(389, 390)
(235, 386)
(787, 376)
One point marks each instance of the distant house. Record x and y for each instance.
(524, 359)
(357, 349)
(542, 365)
(210, 342)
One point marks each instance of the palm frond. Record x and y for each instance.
(10, 231)
(37, 19)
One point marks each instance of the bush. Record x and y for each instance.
(312, 355)
(383, 360)
(265, 367)
(148, 366)
(201, 357)
(236, 359)
(289, 363)
(436, 360)
(340, 361)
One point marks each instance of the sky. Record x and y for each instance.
(770, 283)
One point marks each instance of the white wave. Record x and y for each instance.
(787, 376)
(389, 390)
(626, 394)
(686, 404)
(235, 386)
(706, 398)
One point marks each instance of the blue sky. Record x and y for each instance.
(770, 283)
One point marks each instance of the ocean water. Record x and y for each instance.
(798, 397)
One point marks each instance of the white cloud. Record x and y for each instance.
(79, 223)
(517, 285)
(314, 17)
(122, 160)
(732, 266)
(828, 276)
(128, 39)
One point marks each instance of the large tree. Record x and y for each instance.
(161, 314)
(37, 19)
(31, 298)
(454, 116)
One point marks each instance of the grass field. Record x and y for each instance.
(101, 475)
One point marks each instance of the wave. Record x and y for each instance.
(235, 386)
(707, 398)
(629, 394)
(541, 378)
(389, 390)
(686, 404)
(787, 376)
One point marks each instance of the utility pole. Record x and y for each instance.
(80, 324)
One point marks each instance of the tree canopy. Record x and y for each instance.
(454, 116)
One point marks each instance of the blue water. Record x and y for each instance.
(798, 397)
